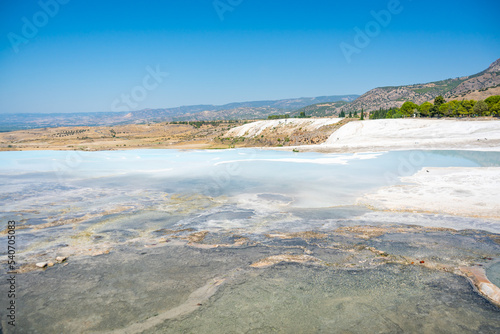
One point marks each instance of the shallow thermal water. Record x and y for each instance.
(238, 241)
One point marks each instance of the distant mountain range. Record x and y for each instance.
(382, 97)
(239, 110)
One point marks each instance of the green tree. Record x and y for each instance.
(495, 109)
(492, 100)
(481, 108)
(342, 114)
(461, 111)
(350, 114)
(397, 113)
(409, 108)
(355, 114)
(469, 106)
(434, 111)
(302, 114)
(453, 109)
(444, 109)
(439, 100)
(362, 115)
(425, 109)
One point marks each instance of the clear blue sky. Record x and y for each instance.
(86, 54)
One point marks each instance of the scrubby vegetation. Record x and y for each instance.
(199, 124)
(71, 132)
(441, 108)
(278, 116)
(302, 114)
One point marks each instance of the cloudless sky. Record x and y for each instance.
(87, 54)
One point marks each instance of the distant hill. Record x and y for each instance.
(395, 96)
(480, 85)
(259, 109)
(321, 109)
(238, 110)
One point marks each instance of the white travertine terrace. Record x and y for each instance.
(289, 124)
(468, 191)
(385, 134)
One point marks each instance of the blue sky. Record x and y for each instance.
(85, 56)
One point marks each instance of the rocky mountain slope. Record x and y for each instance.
(386, 97)
(480, 94)
(395, 96)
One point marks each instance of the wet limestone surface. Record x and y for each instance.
(262, 241)
(311, 281)
(292, 298)
(493, 273)
(114, 290)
